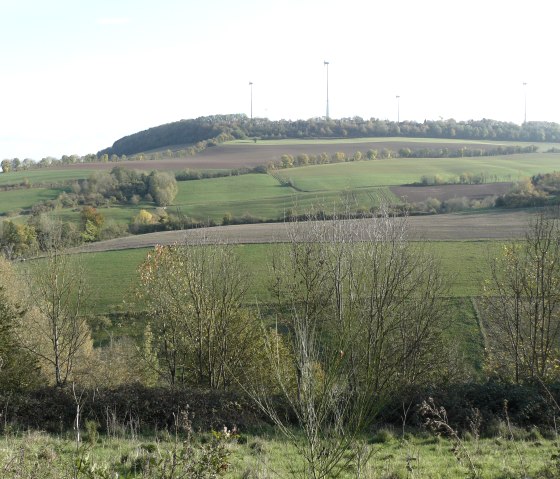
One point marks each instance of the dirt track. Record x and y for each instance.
(456, 226)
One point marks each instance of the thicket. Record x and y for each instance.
(149, 409)
(122, 185)
(539, 190)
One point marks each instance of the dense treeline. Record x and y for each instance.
(224, 127)
(188, 137)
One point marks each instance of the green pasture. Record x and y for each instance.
(360, 184)
(119, 213)
(44, 176)
(400, 171)
(266, 453)
(112, 274)
(260, 196)
(229, 188)
(393, 139)
(13, 200)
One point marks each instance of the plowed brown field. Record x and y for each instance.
(414, 194)
(456, 226)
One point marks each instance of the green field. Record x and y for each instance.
(266, 455)
(113, 277)
(391, 139)
(261, 196)
(258, 195)
(400, 171)
(44, 176)
(14, 200)
(361, 184)
(113, 273)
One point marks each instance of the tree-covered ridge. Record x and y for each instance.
(209, 130)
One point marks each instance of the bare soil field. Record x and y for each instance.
(248, 156)
(498, 225)
(415, 194)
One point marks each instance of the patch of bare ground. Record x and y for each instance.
(415, 194)
(497, 225)
(249, 156)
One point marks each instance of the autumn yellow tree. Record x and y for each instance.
(194, 295)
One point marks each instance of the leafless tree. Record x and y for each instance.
(363, 310)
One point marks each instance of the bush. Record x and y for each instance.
(54, 409)
(383, 436)
(455, 204)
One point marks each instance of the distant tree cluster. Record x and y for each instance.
(215, 129)
(189, 137)
(195, 135)
(122, 185)
(291, 161)
(539, 190)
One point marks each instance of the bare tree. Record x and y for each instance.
(521, 304)
(363, 308)
(55, 328)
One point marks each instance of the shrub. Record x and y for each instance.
(383, 436)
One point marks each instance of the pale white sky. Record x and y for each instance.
(76, 75)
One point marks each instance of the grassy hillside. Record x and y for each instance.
(113, 277)
(13, 200)
(197, 134)
(113, 273)
(44, 176)
(263, 196)
(401, 171)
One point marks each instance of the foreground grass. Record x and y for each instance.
(38, 455)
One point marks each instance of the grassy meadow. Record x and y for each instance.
(396, 140)
(112, 274)
(257, 195)
(44, 176)
(400, 171)
(271, 196)
(262, 196)
(14, 200)
(265, 454)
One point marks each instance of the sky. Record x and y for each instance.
(76, 75)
